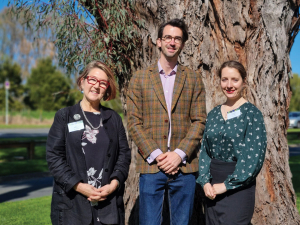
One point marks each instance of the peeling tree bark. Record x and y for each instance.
(259, 34)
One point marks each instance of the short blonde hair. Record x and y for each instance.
(112, 88)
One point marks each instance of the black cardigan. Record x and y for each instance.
(66, 163)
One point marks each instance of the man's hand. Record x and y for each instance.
(209, 191)
(174, 171)
(219, 188)
(160, 157)
(88, 190)
(169, 162)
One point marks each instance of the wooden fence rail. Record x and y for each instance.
(30, 145)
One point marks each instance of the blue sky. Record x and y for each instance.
(294, 55)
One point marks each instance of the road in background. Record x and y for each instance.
(25, 189)
(294, 151)
(36, 186)
(15, 133)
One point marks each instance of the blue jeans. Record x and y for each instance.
(181, 191)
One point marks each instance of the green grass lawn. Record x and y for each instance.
(293, 136)
(27, 212)
(9, 165)
(8, 154)
(291, 130)
(22, 167)
(24, 126)
(295, 169)
(37, 114)
(37, 211)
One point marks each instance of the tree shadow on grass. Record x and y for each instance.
(17, 190)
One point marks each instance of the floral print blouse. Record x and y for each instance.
(94, 144)
(242, 139)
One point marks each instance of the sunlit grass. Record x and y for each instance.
(32, 114)
(37, 211)
(295, 169)
(32, 211)
(23, 126)
(23, 167)
(291, 130)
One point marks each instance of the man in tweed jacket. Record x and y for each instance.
(166, 111)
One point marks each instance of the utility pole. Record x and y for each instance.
(6, 100)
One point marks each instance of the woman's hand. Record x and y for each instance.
(107, 190)
(219, 188)
(88, 190)
(209, 191)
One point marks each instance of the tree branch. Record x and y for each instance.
(295, 28)
(89, 5)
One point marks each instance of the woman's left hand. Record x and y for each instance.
(107, 190)
(219, 188)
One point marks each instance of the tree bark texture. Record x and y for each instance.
(259, 34)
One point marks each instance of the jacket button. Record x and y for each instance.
(111, 140)
(108, 155)
(166, 121)
(106, 170)
(165, 137)
(105, 127)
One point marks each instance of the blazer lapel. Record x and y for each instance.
(157, 85)
(75, 114)
(178, 85)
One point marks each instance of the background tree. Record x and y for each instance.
(12, 72)
(24, 44)
(295, 88)
(47, 88)
(259, 34)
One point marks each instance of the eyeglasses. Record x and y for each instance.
(168, 39)
(93, 80)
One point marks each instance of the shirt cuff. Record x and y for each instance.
(153, 155)
(181, 154)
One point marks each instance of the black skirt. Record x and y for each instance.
(232, 207)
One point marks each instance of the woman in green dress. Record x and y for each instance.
(232, 152)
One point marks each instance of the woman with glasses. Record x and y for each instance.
(232, 152)
(88, 155)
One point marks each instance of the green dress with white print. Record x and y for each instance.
(241, 139)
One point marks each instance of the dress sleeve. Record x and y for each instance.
(204, 162)
(250, 152)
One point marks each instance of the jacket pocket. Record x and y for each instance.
(60, 200)
(63, 217)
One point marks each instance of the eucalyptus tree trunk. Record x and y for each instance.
(259, 34)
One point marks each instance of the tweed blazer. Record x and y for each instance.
(148, 120)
